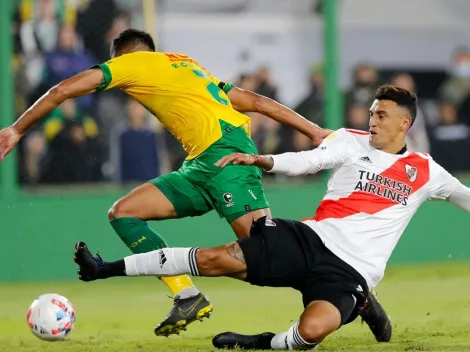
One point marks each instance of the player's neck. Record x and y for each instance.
(395, 148)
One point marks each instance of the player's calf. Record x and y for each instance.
(291, 339)
(319, 319)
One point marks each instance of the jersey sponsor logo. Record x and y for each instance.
(383, 186)
(178, 57)
(228, 198)
(411, 172)
(184, 60)
(360, 201)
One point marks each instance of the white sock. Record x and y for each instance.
(291, 340)
(188, 292)
(163, 262)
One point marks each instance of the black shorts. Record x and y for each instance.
(288, 253)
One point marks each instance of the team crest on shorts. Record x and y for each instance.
(228, 198)
(411, 172)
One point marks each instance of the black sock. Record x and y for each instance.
(111, 269)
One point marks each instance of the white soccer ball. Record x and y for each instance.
(51, 317)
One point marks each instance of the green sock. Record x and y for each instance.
(137, 235)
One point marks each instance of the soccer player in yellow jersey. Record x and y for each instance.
(206, 117)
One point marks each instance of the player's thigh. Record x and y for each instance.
(273, 254)
(144, 202)
(166, 197)
(242, 224)
(187, 198)
(238, 196)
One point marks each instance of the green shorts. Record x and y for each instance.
(199, 186)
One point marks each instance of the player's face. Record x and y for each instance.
(388, 122)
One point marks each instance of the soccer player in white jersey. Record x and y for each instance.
(339, 254)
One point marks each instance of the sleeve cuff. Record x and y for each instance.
(276, 164)
(106, 74)
(226, 87)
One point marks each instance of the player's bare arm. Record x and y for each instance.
(81, 84)
(247, 101)
(265, 162)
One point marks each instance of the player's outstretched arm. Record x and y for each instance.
(247, 101)
(460, 197)
(332, 152)
(446, 187)
(81, 84)
(292, 164)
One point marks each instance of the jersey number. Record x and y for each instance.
(212, 88)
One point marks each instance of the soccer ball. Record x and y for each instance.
(51, 317)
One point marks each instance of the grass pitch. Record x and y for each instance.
(429, 306)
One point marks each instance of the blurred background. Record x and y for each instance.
(274, 47)
(324, 59)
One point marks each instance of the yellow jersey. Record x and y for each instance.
(184, 96)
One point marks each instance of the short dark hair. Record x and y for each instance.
(132, 36)
(402, 97)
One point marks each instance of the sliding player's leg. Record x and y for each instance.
(319, 319)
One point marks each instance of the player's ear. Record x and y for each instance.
(405, 124)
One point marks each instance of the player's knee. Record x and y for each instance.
(208, 261)
(312, 330)
(119, 210)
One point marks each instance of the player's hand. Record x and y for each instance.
(236, 159)
(9, 137)
(320, 135)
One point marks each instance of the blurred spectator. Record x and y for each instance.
(68, 110)
(67, 60)
(265, 86)
(102, 14)
(73, 157)
(417, 137)
(358, 117)
(310, 107)
(364, 86)
(22, 87)
(38, 36)
(39, 33)
(450, 141)
(135, 147)
(34, 156)
(457, 87)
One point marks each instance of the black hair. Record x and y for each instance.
(402, 97)
(132, 36)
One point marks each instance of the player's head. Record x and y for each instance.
(131, 40)
(391, 115)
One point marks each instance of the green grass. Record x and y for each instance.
(429, 306)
